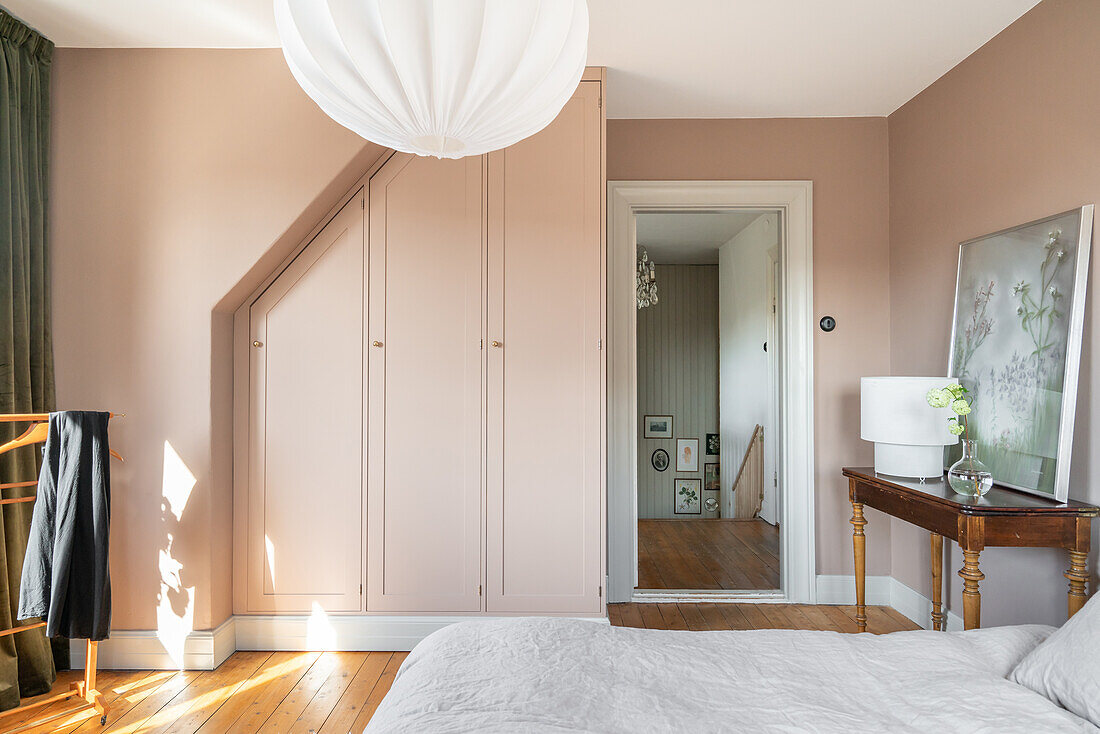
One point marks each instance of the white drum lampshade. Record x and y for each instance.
(908, 433)
(444, 78)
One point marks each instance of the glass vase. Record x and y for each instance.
(969, 476)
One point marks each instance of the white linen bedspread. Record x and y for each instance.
(559, 675)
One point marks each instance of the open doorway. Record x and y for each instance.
(708, 400)
(784, 464)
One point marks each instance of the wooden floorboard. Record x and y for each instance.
(331, 691)
(294, 705)
(249, 710)
(708, 554)
(721, 616)
(354, 699)
(281, 692)
(126, 696)
(338, 692)
(381, 688)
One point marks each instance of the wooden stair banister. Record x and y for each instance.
(748, 487)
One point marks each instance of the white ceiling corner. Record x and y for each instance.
(692, 58)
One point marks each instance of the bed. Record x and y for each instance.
(561, 675)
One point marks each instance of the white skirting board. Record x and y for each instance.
(147, 650)
(207, 649)
(883, 591)
(349, 633)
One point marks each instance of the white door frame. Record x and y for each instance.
(798, 565)
(771, 446)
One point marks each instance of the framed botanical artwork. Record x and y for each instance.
(714, 444)
(1016, 347)
(659, 460)
(687, 454)
(657, 426)
(686, 497)
(710, 476)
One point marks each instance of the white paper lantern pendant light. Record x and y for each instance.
(444, 78)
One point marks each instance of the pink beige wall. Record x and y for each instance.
(1009, 135)
(174, 173)
(181, 176)
(846, 158)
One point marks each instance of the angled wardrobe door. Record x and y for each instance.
(544, 498)
(305, 485)
(425, 385)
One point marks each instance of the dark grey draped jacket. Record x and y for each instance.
(65, 572)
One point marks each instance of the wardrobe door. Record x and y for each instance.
(305, 485)
(425, 378)
(544, 501)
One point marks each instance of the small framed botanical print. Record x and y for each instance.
(657, 426)
(710, 476)
(659, 460)
(687, 454)
(714, 444)
(686, 498)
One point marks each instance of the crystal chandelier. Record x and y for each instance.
(647, 280)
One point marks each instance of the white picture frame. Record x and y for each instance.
(1023, 288)
(687, 454)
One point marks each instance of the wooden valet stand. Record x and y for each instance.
(84, 689)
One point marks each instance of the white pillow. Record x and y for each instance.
(1066, 666)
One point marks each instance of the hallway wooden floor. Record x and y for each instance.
(338, 692)
(699, 617)
(725, 555)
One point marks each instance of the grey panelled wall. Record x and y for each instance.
(677, 376)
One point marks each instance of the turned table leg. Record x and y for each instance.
(939, 619)
(859, 545)
(972, 598)
(1077, 574)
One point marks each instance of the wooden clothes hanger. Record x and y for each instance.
(38, 432)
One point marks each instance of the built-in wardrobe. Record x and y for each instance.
(420, 391)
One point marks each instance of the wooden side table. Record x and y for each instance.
(1004, 517)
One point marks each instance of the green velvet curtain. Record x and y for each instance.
(26, 350)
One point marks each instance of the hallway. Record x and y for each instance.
(725, 555)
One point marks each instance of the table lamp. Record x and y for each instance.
(908, 433)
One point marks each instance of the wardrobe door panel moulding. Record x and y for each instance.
(545, 398)
(305, 489)
(424, 505)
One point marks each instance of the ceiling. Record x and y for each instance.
(687, 58)
(690, 238)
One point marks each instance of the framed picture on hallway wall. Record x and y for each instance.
(687, 454)
(657, 426)
(686, 497)
(714, 444)
(710, 477)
